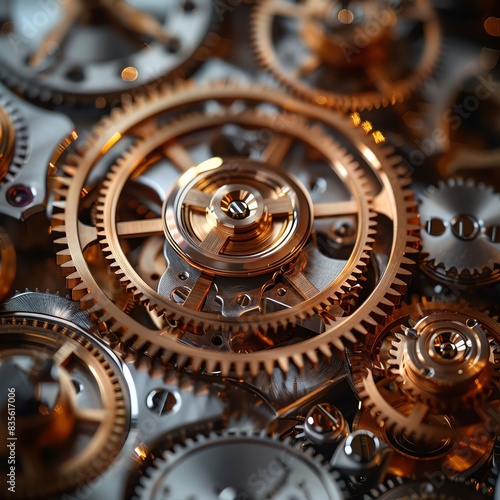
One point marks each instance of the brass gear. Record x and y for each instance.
(460, 234)
(406, 398)
(392, 201)
(48, 356)
(14, 139)
(276, 236)
(447, 355)
(342, 45)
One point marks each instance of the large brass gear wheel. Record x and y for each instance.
(133, 124)
(241, 235)
(348, 55)
(71, 402)
(444, 359)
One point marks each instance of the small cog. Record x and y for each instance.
(254, 466)
(460, 233)
(373, 53)
(446, 361)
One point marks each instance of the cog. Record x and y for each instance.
(446, 361)
(256, 466)
(460, 236)
(235, 268)
(372, 53)
(71, 399)
(141, 119)
(14, 139)
(448, 357)
(91, 52)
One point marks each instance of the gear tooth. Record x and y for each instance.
(254, 367)
(298, 360)
(196, 364)
(210, 365)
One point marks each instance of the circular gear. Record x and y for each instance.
(460, 237)
(255, 466)
(447, 360)
(69, 395)
(240, 252)
(446, 355)
(14, 139)
(138, 123)
(91, 52)
(372, 53)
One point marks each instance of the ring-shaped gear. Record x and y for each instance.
(396, 400)
(347, 56)
(71, 398)
(50, 54)
(393, 203)
(460, 234)
(14, 139)
(446, 355)
(288, 213)
(288, 471)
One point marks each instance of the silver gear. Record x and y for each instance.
(92, 51)
(254, 466)
(460, 233)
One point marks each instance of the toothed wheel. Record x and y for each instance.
(71, 401)
(92, 51)
(350, 55)
(441, 371)
(294, 175)
(254, 466)
(14, 139)
(460, 233)
(243, 232)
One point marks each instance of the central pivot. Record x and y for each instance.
(238, 209)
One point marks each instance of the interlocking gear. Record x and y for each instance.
(371, 53)
(460, 223)
(232, 120)
(91, 51)
(446, 361)
(71, 399)
(255, 466)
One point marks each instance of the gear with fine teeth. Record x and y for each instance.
(255, 466)
(371, 53)
(211, 277)
(446, 359)
(460, 234)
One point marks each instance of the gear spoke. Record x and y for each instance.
(178, 155)
(91, 415)
(199, 292)
(301, 284)
(214, 241)
(197, 200)
(281, 206)
(334, 209)
(275, 152)
(139, 228)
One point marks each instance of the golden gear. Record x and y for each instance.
(14, 140)
(326, 45)
(391, 200)
(447, 355)
(457, 345)
(246, 252)
(72, 409)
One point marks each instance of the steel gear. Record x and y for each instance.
(71, 403)
(256, 466)
(392, 202)
(91, 52)
(238, 231)
(460, 237)
(428, 380)
(359, 49)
